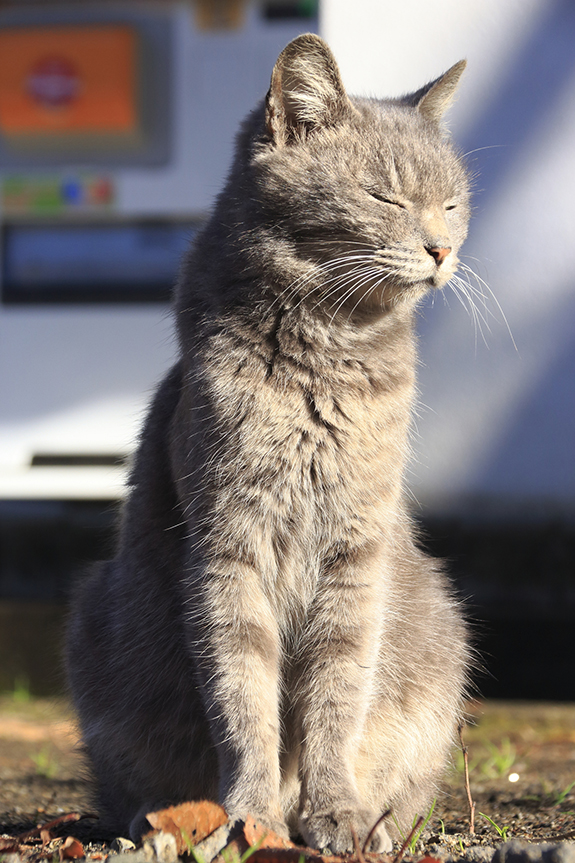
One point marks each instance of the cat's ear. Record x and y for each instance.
(306, 91)
(434, 99)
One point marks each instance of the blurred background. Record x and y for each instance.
(117, 122)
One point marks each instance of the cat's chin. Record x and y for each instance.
(400, 293)
(438, 281)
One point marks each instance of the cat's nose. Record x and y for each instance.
(438, 253)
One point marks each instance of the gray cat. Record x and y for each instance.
(268, 634)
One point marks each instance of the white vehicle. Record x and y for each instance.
(117, 123)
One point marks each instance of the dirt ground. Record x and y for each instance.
(521, 761)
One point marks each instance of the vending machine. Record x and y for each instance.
(117, 122)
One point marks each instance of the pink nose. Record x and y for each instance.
(437, 253)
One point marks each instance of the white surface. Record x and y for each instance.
(75, 381)
(500, 426)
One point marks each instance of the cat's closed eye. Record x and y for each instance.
(450, 206)
(379, 197)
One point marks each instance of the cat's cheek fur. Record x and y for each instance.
(269, 633)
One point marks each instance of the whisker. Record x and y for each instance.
(470, 308)
(479, 149)
(291, 291)
(356, 286)
(481, 281)
(470, 293)
(371, 291)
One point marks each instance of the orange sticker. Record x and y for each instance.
(56, 80)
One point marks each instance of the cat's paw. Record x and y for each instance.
(263, 821)
(333, 830)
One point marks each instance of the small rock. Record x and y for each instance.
(211, 846)
(142, 855)
(165, 846)
(121, 845)
(473, 854)
(518, 851)
(479, 853)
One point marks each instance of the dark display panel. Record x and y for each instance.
(114, 262)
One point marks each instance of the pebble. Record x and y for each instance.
(479, 854)
(210, 847)
(164, 844)
(518, 851)
(142, 855)
(121, 845)
(514, 851)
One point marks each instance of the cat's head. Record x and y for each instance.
(370, 194)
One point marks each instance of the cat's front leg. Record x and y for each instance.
(236, 646)
(340, 655)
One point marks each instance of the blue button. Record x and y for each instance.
(72, 192)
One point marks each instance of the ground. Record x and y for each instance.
(521, 764)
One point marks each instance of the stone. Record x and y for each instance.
(519, 851)
(121, 845)
(211, 846)
(479, 854)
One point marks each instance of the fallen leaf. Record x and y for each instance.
(9, 844)
(45, 836)
(71, 849)
(63, 819)
(162, 823)
(189, 823)
(273, 848)
(49, 825)
(255, 833)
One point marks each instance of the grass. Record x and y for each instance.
(563, 794)
(491, 759)
(501, 758)
(21, 692)
(45, 763)
(229, 855)
(21, 703)
(417, 833)
(501, 831)
(233, 856)
(191, 850)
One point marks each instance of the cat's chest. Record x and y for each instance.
(311, 446)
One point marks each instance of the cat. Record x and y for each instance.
(269, 634)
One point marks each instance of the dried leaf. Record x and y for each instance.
(427, 859)
(49, 825)
(63, 819)
(9, 844)
(256, 833)
(71, 849)
(190, 822)
(45, 836)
